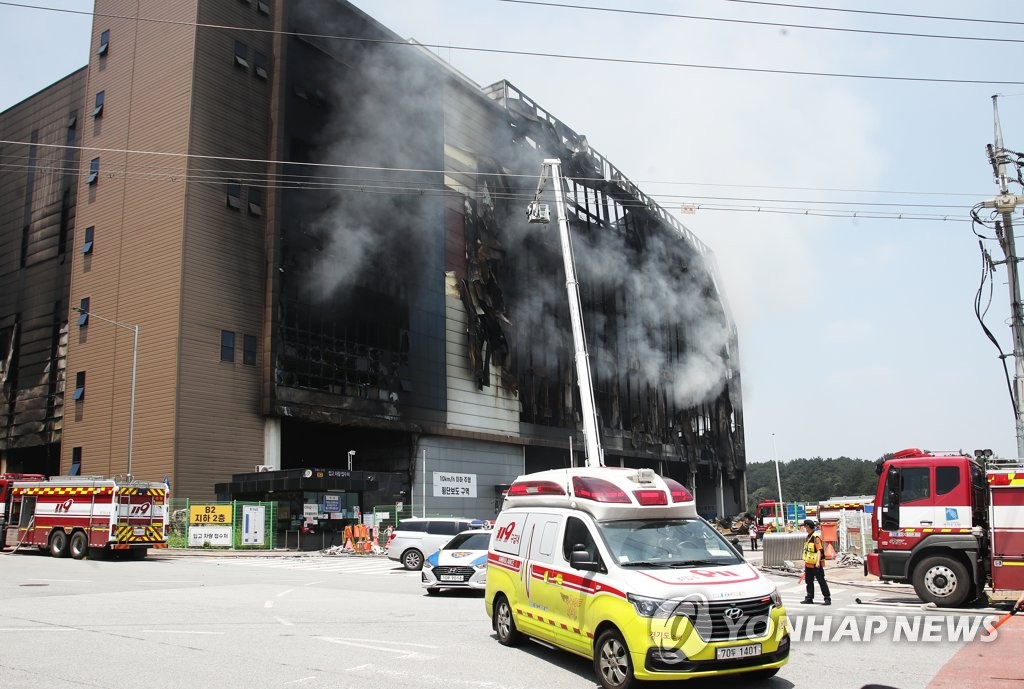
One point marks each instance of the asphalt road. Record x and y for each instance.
(318, 622)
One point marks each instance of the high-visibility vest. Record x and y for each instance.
(811, 549)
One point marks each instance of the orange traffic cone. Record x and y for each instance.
(830, 552)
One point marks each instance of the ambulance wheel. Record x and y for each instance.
(942, 581)
(58, 543)
(612, 663)
(412, 559)
(504, 625)
(79, 546)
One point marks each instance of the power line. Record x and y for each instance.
(281, 180)
(687, 183)
(754, 22)
(527, 53)
(228, 176)
(876, 13)
(825, 213)
(393, 188)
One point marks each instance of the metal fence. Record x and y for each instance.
(780, 547)
(854, 533)
(234, 525)
(229, 525)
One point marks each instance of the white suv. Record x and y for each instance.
(418, 537)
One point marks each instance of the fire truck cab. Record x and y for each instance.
(616, 566)
(82, 515)
(949, 527)
(6, 484)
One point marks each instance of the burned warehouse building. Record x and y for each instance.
(273, 248)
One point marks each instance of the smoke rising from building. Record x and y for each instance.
(652, 313)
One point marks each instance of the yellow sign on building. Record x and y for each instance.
(209, 514)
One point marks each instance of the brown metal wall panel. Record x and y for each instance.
(220, 429)
(137, 208)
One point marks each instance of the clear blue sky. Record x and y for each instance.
(857, 335)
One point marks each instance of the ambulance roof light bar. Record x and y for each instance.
(537, 213)
(598, 490)
(521, 488)
(679, 492)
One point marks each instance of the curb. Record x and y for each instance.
(868, 584)
(199, 552)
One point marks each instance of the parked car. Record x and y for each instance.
(460, 564)
(417, 537)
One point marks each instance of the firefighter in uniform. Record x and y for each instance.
(814, 563)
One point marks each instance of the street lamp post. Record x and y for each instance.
(135, 363)
(778, 481)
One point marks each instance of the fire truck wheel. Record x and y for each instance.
(137, 553)
(504, 625)
(58, 543)
(79, 546)
(942, 581)
(612, 664)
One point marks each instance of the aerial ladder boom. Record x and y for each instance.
(539, 213)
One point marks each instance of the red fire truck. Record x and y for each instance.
(949, 527)
(769, 512)
(80, 515)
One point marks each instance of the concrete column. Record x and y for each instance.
(272, 442)
(720, 496)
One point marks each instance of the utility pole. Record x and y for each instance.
(782, 505)
(1005, 204)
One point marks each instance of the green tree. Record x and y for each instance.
(810, 479)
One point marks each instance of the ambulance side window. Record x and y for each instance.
(547, 538)
(576, 532)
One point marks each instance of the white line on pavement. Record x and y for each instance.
(404, 653)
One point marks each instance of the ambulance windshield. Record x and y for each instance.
(666, 543)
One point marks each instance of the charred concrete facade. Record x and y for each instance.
(324, 244)
(38, 191)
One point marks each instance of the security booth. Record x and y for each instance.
(315, 505)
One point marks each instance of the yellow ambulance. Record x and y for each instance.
(615, 565)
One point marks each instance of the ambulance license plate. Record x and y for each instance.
(734, 652)
(139, 531)
(452, 577)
